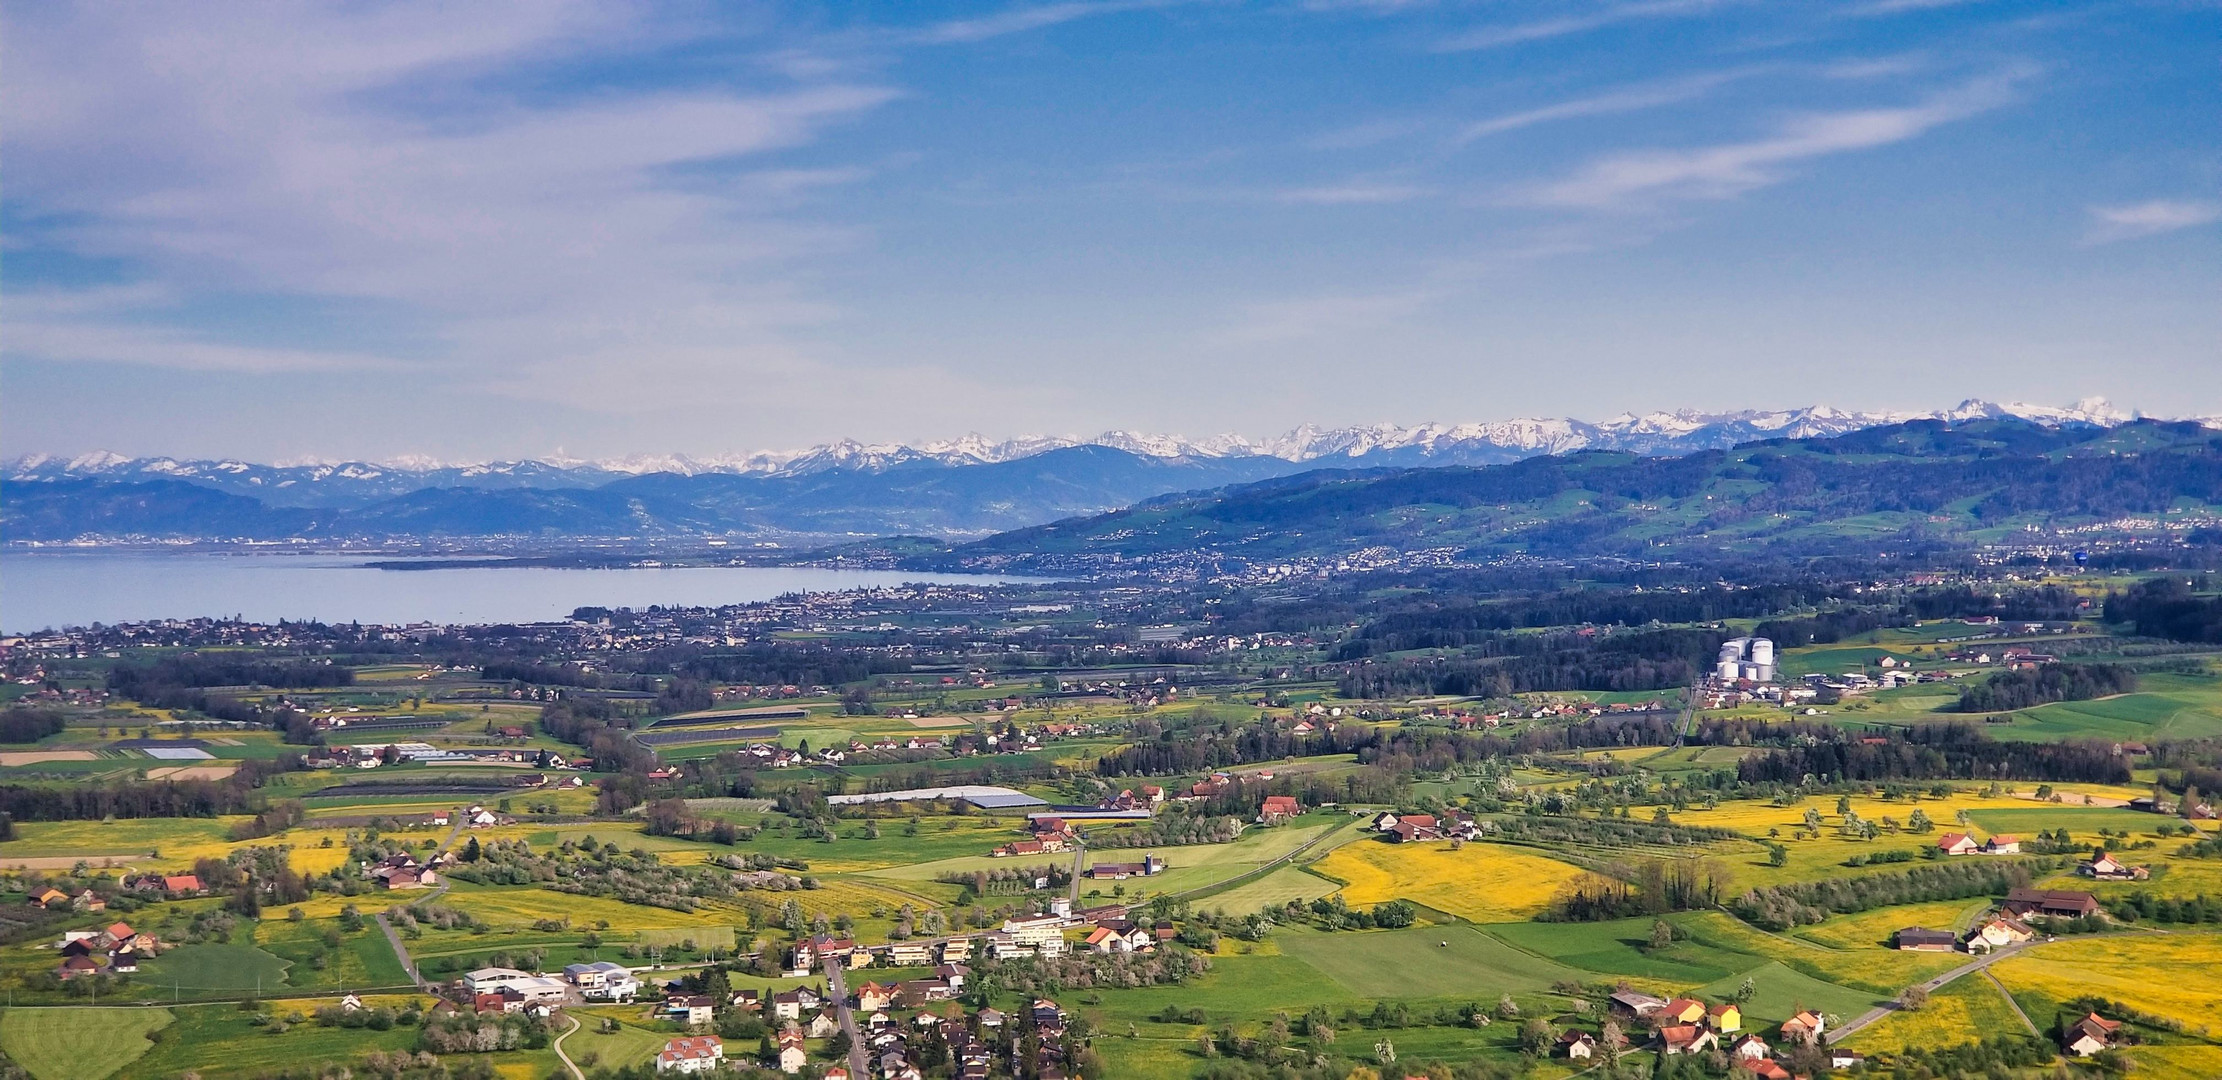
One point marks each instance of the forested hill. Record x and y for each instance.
(1925, 485)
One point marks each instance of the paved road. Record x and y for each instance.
(1265, 868)
(2025, 1021)
(402, 951)
(837, 985)
(576, 1074)
(1972, 966)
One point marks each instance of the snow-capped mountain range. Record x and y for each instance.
(963, 488)
(1474, 443)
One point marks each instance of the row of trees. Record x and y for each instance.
(2010, 690)
(1780, 907)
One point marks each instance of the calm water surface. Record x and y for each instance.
(42, 590)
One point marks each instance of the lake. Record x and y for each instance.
(44, 590)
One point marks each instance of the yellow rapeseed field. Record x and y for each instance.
(1481, 882)
(2181, 1062)
(1968, 1009)
(2163, 974)
(1872, 929)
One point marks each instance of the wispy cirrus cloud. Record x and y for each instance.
(2133, 221)
(1492, 37)
(1353, 193)
(1724, 170)
(1624, 100)
(1019, 20)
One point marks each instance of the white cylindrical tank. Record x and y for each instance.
(1762, 652)
(1732, 650)
(1727, 669)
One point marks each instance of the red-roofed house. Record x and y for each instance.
(1279, 808)
(182, 885)
(696, 1053)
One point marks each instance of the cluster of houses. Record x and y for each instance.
(973, 1043)
(1412, 828)
(2005, 927)
(1124, 935)
(403, 871)
(373, 755)
(168, 886)
(1689, 1026)
(1955, 843)
(474, 817)
(115, 949)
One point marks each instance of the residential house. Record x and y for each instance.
(789, 1056)
(2105, 867)
(872, 997)
(89, 901)
(1725, 1017)
(1578, 1045)
(1957, 843)
(1686, 1039)
(1923, 939)
(695, 1011)
(49, 897)
(177, 885)
(821, 1025)
(1150, 866)
(1279, 808)
(787, 1006)
(2002, 845)
(1997, 932)
(910, 954)
(2089, 1035)
(1750, 1047)
(1682, 1011)
(1807, 1026)
(693, 1054)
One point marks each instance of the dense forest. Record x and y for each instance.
(1505, 663)
(2169, 608)
(2010, 690)
(1927, 752)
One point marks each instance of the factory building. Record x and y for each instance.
(1749, 658)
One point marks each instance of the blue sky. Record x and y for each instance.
(369, 230)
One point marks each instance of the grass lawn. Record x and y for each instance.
(1423, 961)
(215, 969)
(1617, 948)
(78, 1043)
(216, 1041)
(1871, 969)
(1274, 889)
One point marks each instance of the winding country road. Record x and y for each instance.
(1870, 1016)
(576, 1074)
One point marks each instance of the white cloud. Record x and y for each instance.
(552, 245)
(1353, 193)
(1725, 170)
(1629, 99)
(1492, 37)
(1019, 20)
(2150, 218)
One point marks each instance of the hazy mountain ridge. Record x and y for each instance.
(357, 484)
(959, 490)
(1924, 483)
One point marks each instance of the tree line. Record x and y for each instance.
(1952, 751)
(1780, 907)
(2007, 691)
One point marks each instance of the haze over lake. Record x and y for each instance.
(54, 589)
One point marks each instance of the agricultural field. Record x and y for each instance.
(1969, 1003)
(78, 1043)
(1478, 882)
(2166, 975)
(1423, 962)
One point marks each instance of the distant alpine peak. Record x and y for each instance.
(1681, 430)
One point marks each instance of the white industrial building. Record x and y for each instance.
(1748, 658)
